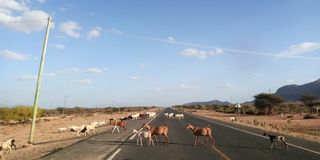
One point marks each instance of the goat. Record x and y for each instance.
(85, 129)
(8, 144)
(101, 123)
(63, 129)
(143, 134)
(82, 129)
(151, 114)
(232, 119)
(135, 116)
(116, 125)
(170, 115)
(158, 130)
(178, 116)
(95, 124)
(73, 128)
(166, 115)
(198, 131)
(280, 139)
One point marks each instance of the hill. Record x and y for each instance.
(213, 102)
(294, 92)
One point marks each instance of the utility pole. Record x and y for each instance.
(64, 103)
(36, 97)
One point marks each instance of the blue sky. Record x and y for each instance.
(129, 53)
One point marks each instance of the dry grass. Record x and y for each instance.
(308, 129)
(47, 137)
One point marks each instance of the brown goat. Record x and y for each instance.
(158, 130)
(118, 123)
(198, 131)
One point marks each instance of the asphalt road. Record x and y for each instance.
(232, 142)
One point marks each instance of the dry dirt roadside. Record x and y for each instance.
(47, 136)
(308, 129)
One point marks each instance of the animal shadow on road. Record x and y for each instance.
(60, 140)
(244, 147)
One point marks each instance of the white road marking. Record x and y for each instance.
(114, 154)
(290, 144)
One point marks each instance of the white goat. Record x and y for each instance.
(73, 128)
(8, 144)
(170, 116)
(179, 116)
(63, 129)
(101, 124)
(166, 115)
(95, 124)
(135, 116)
(232, 119)
(85, 129)
(152, 114)
(143, 134)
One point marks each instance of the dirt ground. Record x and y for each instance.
(308, 129)
(47, 136)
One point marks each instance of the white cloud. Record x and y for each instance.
(228, 86)
(70, 28)
(74, 70)
(105, 68)
(23, 23)
(94, 33)
(69, 71)
(192, 52)
(51, 75)
(62, 9)
(171, 39)
(82, 82)
(116, 31)
(92, 70)
(41, 1)
(299, 49)
(141, 65)
(257, 75)
(134, 77)
(289, 81)
(59, 46)
(10, 55)
(184, 86)
(26, 77)
(12, 5)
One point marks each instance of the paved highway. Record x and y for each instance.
(232, 142)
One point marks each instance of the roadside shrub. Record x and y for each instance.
(18, 113)
(309, 116)
(256, 122)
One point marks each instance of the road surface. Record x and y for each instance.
(232, 142)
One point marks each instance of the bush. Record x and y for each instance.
(19, 113)
(309, 116)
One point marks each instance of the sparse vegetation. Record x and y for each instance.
(18, 113)
(265, 103)
(309, 101)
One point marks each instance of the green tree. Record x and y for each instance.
(309, 101)
(266, 102)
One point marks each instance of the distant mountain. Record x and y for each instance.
(215, 102)
(294, 92)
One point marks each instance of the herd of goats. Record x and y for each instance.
(148, 134)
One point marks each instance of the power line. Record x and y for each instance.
(40, 21)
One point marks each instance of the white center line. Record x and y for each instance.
(114, 154)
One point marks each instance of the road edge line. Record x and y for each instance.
(114, 154)
(290, 144)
